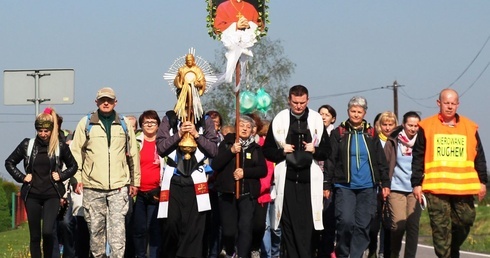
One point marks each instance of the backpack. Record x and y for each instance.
(30, 148)
(88, 127)
(26, 187)
(370, 131)
(129, 159)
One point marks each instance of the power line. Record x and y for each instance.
(477, 78)
(76, 114)
(461, 75)
(472, 61)
(15, 122)
(404, 93)
(345, 93)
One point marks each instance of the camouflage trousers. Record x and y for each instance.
(451, 217)
(105, 212)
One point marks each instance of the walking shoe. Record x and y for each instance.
(255, 254)
(222, 254)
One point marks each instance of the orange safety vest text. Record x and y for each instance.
(449, 157)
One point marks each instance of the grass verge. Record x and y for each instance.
(477, 241)
(15, 243)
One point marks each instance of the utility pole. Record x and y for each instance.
(395, 96)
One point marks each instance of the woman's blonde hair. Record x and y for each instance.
(48, 119)
(385, 116)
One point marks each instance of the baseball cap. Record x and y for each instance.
(106, 92)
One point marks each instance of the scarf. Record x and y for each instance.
(406, 143)
(383, 137)
(246, 143)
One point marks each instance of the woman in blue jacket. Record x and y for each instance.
(355, 167)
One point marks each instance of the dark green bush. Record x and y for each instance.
(5, 218)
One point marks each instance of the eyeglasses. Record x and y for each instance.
(149, 123)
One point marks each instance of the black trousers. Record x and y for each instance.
(183, 230)
(212, 236)
(377, 227)
(45, 209)
(259, 217)
(82, 238)
(297, 220)
(236, 222)
(326, 241)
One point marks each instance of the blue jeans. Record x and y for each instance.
(146, 226)
(271, 243)
(354, 210)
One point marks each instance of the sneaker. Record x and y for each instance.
(222, 254)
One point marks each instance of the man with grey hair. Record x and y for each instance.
(106, 152)
(296, 141)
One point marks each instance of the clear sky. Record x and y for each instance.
(339, 47)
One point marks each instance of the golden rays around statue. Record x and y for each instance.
(188, 77)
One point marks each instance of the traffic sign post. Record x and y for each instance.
(51, 86)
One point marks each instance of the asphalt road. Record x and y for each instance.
(425, 251)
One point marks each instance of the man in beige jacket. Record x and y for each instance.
(106, 151)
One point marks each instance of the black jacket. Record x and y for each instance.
(338, 163)
(20, 153)
(251, 160)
